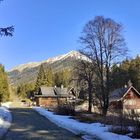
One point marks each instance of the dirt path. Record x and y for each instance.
(29, 125)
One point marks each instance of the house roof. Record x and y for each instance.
(61, 91)
(47, 91)
(52, 92)
(119, 93)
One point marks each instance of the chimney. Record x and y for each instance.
(129, 83)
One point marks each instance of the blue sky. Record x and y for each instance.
(46, 28)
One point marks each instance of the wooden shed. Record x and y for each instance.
(50, 97)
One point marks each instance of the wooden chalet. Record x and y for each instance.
(50, 97)
(125, 99)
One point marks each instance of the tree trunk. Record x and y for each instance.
(90, 99)
(107, 91)
(90, 106)
(104, 111)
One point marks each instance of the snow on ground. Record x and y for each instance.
(5, 118)
(84, 129)
(6, 104)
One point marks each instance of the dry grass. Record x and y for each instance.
(120, 123)
(87, 117)
(120, 130)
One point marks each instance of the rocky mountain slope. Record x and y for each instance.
(28, 72)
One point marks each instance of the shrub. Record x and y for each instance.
(121, 123)
(135, 118)
(66, 109)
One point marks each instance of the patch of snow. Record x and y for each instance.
(83, 106)
(95, 129)
(73, 54)
(5, 120)
(90, 137)
(130, 134)
(6, 104)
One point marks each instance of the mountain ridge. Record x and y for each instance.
(25, 73)
(72, 53)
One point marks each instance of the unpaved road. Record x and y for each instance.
(29, 125)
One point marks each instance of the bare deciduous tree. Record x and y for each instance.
(104, 45)
(84, 72)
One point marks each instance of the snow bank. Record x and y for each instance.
(6, 104)
(95, 129)
(5, 120)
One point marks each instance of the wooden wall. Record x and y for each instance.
(49, 102)
(130, 103)
(131, 100)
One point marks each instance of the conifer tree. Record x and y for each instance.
(67, 74)
(62, 78)
(127, 70)
(41, 78)
(134, 72)
(4, 87)
(49, 76)
(58, 81)
(24, 90)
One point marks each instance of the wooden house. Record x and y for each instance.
(125, 99)
(50, 97)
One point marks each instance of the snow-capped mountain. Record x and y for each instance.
(72, 54)
(21, 67)
(28, 72)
